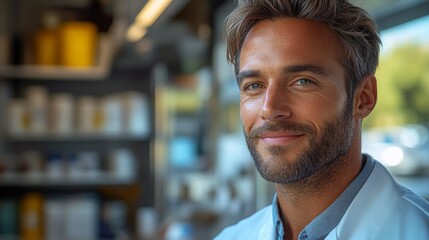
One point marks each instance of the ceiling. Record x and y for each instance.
(176, 37)
(180, 37)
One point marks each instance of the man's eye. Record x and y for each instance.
(304, 82)
(253, 86)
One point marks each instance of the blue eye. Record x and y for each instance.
(304, 81)
(253, 86)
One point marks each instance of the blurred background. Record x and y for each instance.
(120, 118)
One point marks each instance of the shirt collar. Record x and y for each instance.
(325, 222)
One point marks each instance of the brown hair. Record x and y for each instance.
(356, 31)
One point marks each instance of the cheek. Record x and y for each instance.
(322, 109)
(249, 113)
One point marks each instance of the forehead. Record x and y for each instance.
(289, 39)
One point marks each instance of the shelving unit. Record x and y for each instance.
(134, 192)
(105, 187)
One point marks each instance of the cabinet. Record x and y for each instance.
(100, 167)
(58, 180)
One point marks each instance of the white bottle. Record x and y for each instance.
(17, 121)
(61, 113)
(135, 114)
(86, 115)
(37, 99)
(122, 164)
(111, 111)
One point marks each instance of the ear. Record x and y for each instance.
(365, 97)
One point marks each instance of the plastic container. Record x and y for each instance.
(62, 113)
(46, 46)
(31, 217)
(37, 103)
(135, 114)
(17, 117)
(78, 44)
(46, 40)
(86, 115)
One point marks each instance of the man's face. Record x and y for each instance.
(293, 99)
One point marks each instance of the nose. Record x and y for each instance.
(276, 104)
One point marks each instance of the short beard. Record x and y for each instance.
(323, 152)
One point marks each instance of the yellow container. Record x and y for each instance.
(46, 47)
(78, 44)
(31, 217)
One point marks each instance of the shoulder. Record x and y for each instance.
(410, 219)
(406, 200)
(415, 202)
(405, 204)
(384, 209)
(249, 227)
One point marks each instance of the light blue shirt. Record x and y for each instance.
(323, 224)
(381, 210)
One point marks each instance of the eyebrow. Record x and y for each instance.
(286, 70)
(247, 74)
(305, 68)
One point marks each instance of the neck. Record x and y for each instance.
(303, 201)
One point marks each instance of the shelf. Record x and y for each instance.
(99, 72)
(20, 180)
(74, 137)
(32, 72)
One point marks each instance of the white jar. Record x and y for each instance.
(135, 114)
(111, 111)
(61, 113)
(17, 121)
(37, 100)
(86, 115)
(122, 164)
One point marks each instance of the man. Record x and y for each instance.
(305, 69)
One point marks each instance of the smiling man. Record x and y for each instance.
(305, 70)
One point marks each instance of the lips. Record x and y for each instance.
(279, 138)
(279, 133)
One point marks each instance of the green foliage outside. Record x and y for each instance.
(403, 88)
